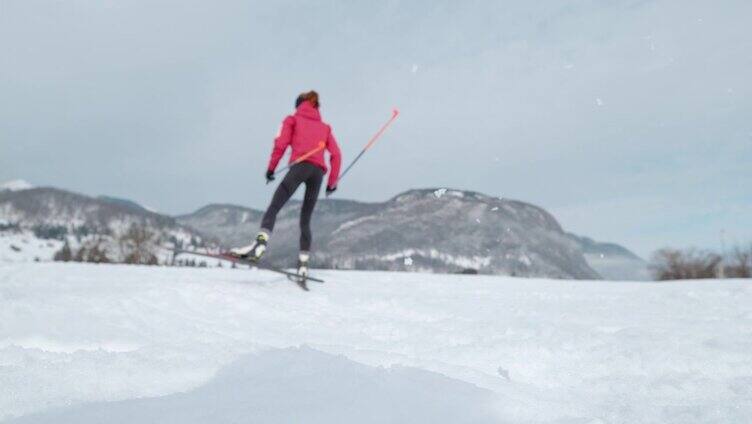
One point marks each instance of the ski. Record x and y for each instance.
(227, 257)
(300, 281)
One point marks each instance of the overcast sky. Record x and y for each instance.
(631, 121)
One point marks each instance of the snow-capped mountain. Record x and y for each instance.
(433, 230)
(437, 230)
(15, 185)
(35, 223)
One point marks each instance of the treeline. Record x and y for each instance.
(687, 264)
(138, 245)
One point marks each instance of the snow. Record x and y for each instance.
(475, 262)
(16, 185)
(111, 343)
(354, 222)
(24, 246)
(302, 385)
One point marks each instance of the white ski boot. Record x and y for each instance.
(303, 270)
(254, 251)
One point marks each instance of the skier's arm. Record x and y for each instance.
(335, 160)
(281, 142)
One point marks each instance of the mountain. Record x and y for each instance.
(612, 261)
(35, 223)
(130, 204)
(436, 230)
(427, 230)
(15, 185)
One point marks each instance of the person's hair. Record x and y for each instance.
(310, 96)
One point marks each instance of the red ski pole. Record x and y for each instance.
(370, 144)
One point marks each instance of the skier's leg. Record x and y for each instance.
(284, 191)
(313, 186)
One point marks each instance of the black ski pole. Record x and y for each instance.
(370, 144)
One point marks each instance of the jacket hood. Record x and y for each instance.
(306, 110)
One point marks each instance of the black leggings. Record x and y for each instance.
(303, 172)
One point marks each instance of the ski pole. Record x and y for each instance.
(319, 148)
(370, 143)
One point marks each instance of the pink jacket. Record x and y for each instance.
(305, 131)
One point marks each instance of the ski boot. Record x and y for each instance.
(254, 251)
(302, 270)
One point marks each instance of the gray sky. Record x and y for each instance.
(629, 120)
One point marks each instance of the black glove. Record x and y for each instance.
(330, 190)
(269, 176)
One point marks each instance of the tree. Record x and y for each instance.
(96, 253)
(139, 245)
(741, 263)
(671, 264)
(80, 255)
(64, 254)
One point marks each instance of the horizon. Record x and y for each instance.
(628, 121)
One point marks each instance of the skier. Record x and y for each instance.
(308, 137)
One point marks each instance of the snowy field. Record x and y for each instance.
(90, 344)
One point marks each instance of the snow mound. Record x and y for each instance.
(299, 385)
(16, 185)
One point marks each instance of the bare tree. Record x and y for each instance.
(64, 254)
(94, 251)
(741, 263)
(671, 264)
(139, 245)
